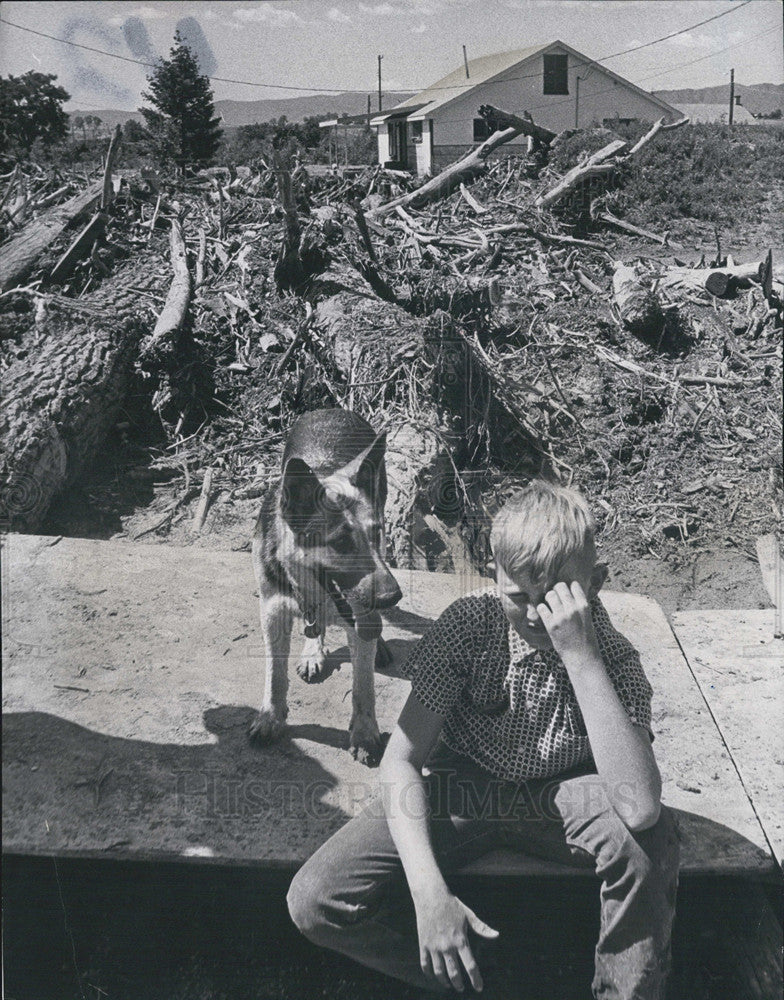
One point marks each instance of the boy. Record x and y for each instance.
(543, 715)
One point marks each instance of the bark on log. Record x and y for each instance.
(61, 399)
(19, 255)
(452, 177)
(527, 126)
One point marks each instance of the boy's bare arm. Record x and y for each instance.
(405, 799)
(621, 750)
(442, 919)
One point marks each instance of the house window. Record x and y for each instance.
(556, 74)
(481, 130)
(416, 131)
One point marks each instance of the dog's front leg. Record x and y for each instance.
(276, 621)
(311, 666)
(364, 739)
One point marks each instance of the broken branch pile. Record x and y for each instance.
(491, 336)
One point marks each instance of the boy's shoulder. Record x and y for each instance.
(478, 608)
(613, 645)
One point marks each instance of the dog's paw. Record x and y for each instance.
(266, 727)
(312, 668)
(366, 744)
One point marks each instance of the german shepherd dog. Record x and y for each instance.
(318, 550)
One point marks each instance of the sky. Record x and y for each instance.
(333, 45)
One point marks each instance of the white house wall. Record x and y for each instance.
(424, 162)
(383, 143)
(520, 88)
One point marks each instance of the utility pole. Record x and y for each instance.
(465, 61)
(577, 102)
(379, 82)
(732, 95)
(368, 111)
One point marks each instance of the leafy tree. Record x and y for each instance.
(181, 124)
(31, 107)
(132, 131)
(78, 122)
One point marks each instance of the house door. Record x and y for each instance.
(397, 143)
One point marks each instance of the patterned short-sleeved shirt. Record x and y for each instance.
(510, 707)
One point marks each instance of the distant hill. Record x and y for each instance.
(297, 108)
(760, 97)
(765, 97)
(235, 113)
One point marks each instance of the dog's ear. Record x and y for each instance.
(364, 470)
(301, 494)
(370, 477)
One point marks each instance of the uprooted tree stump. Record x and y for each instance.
(439, 394)
(369, 344)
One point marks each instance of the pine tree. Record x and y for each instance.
(181, 124)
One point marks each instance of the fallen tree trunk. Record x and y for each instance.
(163, 339)
(19, 255)
(80, 247)
(526, 126)
(603, 162)
(452, 177)
(61, 399)
(720, 281)
(603, 215)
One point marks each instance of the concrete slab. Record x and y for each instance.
(130, 675)
(739, 665)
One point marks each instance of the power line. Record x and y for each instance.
(153, 65)
(674, 34)
(651, 76)
(339, 90)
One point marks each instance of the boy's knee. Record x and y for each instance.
(666, 842)
(650, 853)
(304, 906)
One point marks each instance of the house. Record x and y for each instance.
(703, 113)
(557, 85)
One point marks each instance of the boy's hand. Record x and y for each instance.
(566, 615)
(444, 950)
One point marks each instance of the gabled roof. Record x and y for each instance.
(486, 68)
(455, 84)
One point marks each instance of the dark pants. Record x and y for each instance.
(351, 895)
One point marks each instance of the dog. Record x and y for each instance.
(318, 550)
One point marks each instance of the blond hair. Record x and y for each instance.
(541, 528)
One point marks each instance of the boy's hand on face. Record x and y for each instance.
(566, 614)
(444, 950)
